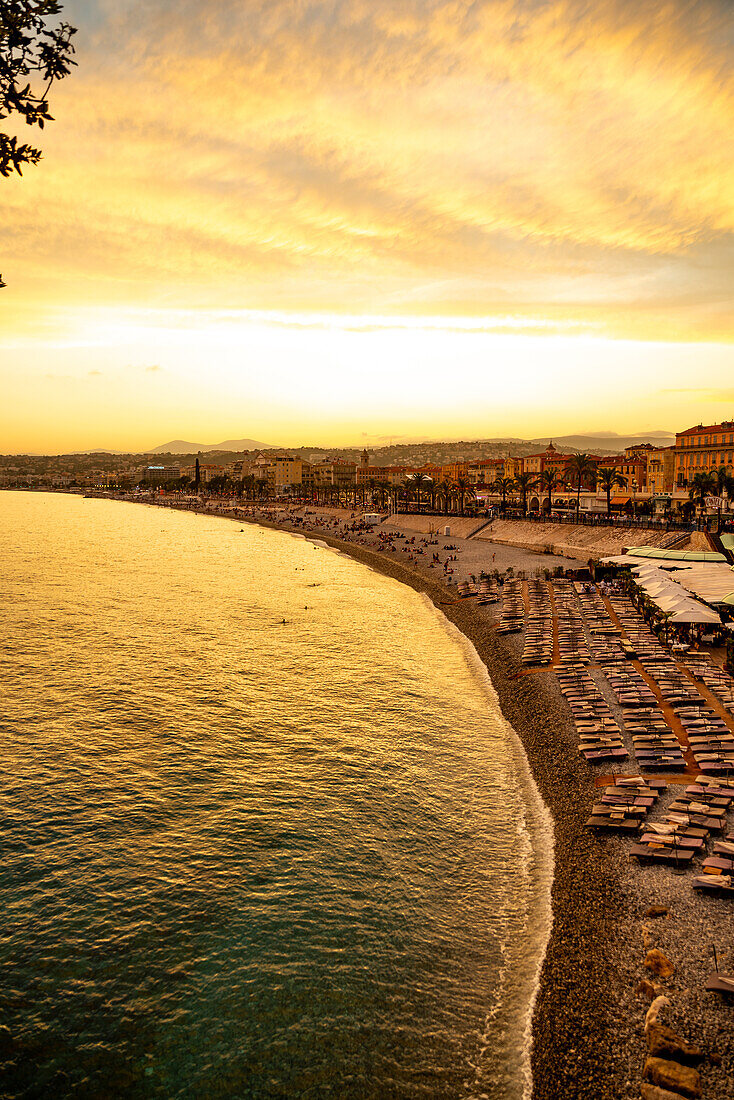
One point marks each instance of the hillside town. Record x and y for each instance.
(644, 480)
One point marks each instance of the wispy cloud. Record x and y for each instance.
(554, 160)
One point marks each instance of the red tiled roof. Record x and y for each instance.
(725, 426)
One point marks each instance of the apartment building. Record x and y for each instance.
(452, 471)
(391, 475)
(555, 460)
(631, 465)
(207, 471)
(549, 459)
(156, 475)
(484, 471)
(427, 470)
(661, 471)
(335, 471)
(283, 472)
(703, 448)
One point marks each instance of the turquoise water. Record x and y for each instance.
(245, 857)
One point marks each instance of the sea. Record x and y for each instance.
(265, 831)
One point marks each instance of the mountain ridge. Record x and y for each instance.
(182, 447)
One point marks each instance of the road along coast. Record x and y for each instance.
(588, 1036)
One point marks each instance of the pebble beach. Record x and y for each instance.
(589, 1016)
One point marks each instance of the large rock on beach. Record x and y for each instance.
(673, 1076)
(648, 989)
(659, 964)
(652, 1092)
(663, 1042)
(657, 911)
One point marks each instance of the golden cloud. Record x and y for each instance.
(560, 160)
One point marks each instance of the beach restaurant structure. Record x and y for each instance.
(689, 588)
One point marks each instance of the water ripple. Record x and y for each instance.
(242, 858)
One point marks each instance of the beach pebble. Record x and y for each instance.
(659, 964)
(673, 1076)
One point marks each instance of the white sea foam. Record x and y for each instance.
(535, 831)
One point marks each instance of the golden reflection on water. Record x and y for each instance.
(249, 856)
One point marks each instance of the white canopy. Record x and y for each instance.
(712, 582)
(675, 590)
(697, 613)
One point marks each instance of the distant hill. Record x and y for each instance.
(606, 441)
(181, 447)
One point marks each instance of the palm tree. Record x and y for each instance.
(703, 485)
(580, 468)
(371, 488)
(524, 482)
(382, 488)
(724, 480)
(417, 483)
(220, 485)
(547, 480)
(607, 478)
(443, 493)
(463, 489)
(504, 485)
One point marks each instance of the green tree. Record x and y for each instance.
(607, 479)
(220, 485)
(443, 493)
(32, 56)
(524, 482)
(416, 485)
(504, 485)
(547, 481)
(724, 480)
(464, 491)
(703, 485)
(580, 468)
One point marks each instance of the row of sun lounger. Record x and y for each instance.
(573, 648)
(716, 680)
(600, 738)
(694, 814)
(642, 641)
(623, 806)
(655, 745)
(538, 648)
(513, 608)
(488, 591)
(604, 638)
(710, 738)
(697, 813)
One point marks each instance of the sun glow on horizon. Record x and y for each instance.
(136, 377)
(303, 220)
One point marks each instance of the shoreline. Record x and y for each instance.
(588, 1012)
(572, 1010)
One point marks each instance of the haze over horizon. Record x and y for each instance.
(351, 220)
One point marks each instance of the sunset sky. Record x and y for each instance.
(333, 222)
